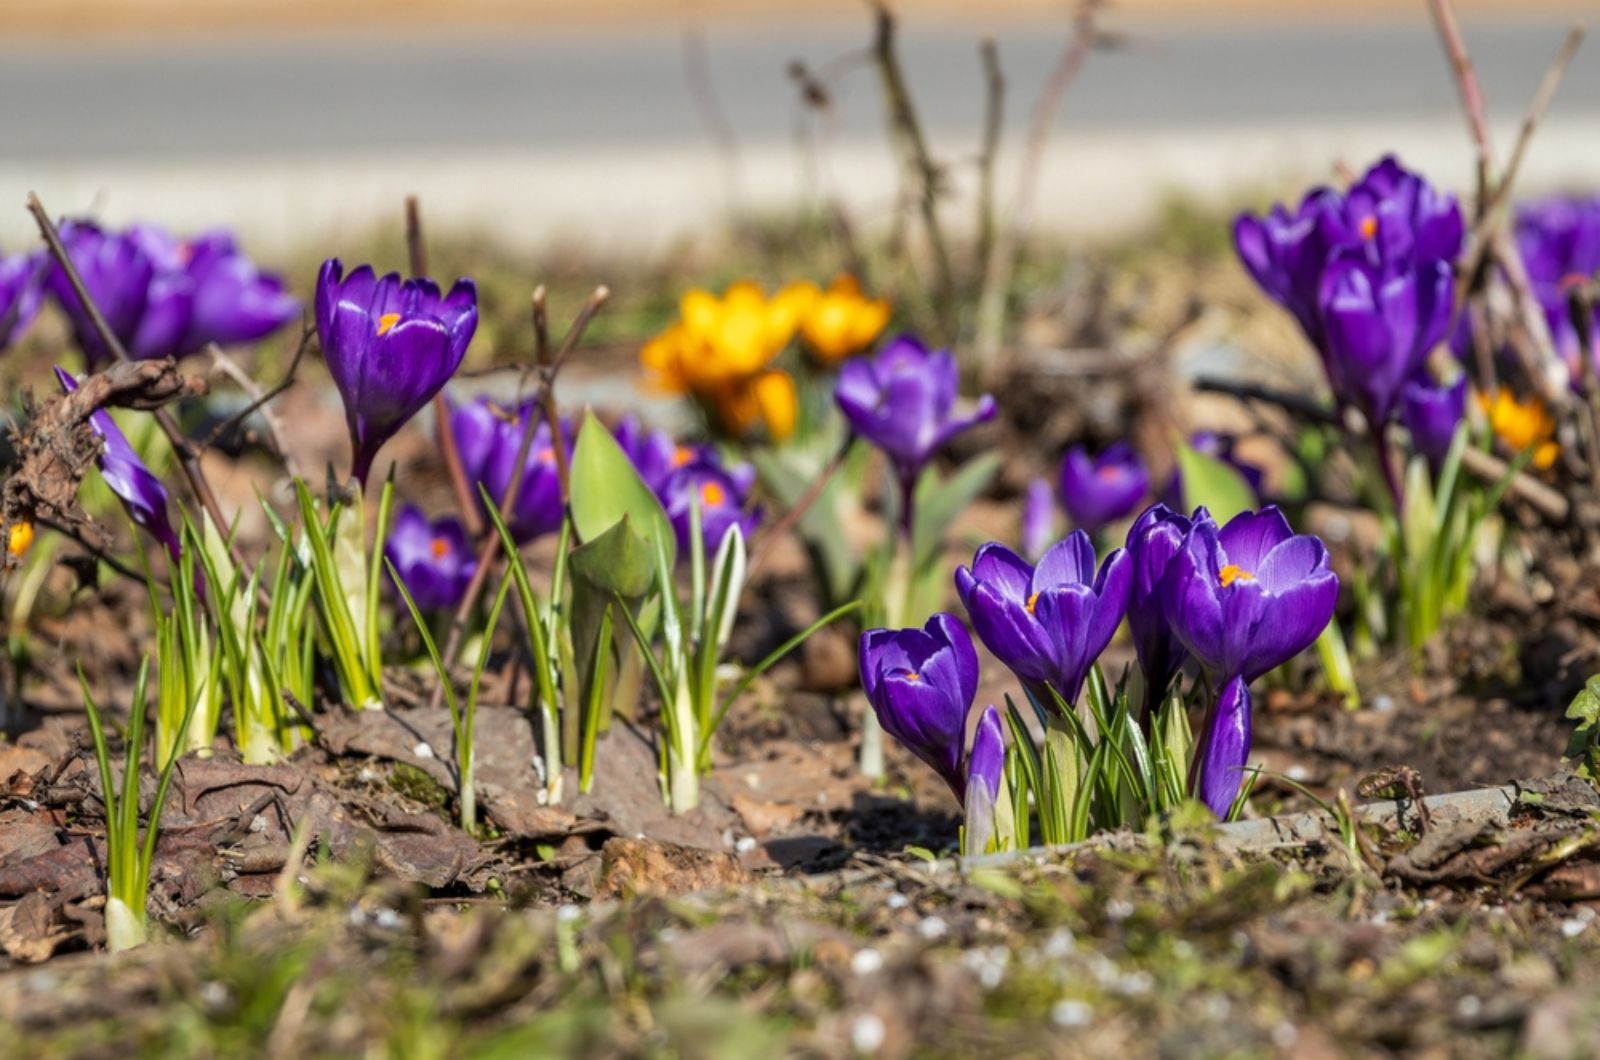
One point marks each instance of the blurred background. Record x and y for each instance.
(630, 125)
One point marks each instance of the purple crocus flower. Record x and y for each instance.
(1430, 412)
(920, 683)
(1225, 748)
(1249, 596)
(234, 301)
(1559, 239)
(488, 440)
(986, 764)
(1047, 623)
(721, 492)
(136, 486)
(1285, 253)
(435, 560)
(1038, 519)
(656, 454)
(390, 347)
(1361, 274)
(148, 309)
(903, 401)
(1155, 539)
(1100, 490)
(21, 291)
(1379, 326)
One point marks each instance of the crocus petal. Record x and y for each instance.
(1225, 749)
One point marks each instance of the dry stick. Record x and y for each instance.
(903, 119)
(77, 538)
(489, 550)
(776, 531)
(708, 105)
(1003, 256)
(993, 119)
(1484, 466)
(1495, 238)
(260, 400)
(180, 445)
(466, 500)
(1492, 213)
(547, 380)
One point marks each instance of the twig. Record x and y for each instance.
(489, 549)
(187, 456)
(797, 511)
(72, 534)
(466, 499)
(708, 105)
(259, 400)
(1490, 234)
(993, 119)
(1003, 257)
(1485, 466)
(914, 146)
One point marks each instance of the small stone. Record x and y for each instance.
(932, 927)
(866, 961)
(422, 750)
(1066, 1013)
(867, 1033)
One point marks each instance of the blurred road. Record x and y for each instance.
(615, 133)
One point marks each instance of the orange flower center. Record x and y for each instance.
(440, 547)
(712, 494)
(913, 676)
(547, 455)
(1234, 573)
(1033, 601)
(1109, 471)
(682, 455)
(387, 321)
(1369, 227)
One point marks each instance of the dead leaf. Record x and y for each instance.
(27, 930)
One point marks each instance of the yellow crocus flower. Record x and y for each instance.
(20, 539)
(842, 321)
(720, 350)
(1521, 425)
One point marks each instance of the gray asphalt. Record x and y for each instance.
(626, 89)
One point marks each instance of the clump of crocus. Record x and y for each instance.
(391, 345)
(842, 322)
(904, 402)
(1242, 599)
(135, 485)
(1366, 273)
(1099, 490)
(1522, 424)
(432, 557)
(489, 438)
(1559, 240)
(167, 297)
(679, 474)
(1048, 623)
(1430, 412)
(921, 683)
(21, 291)
(721, 352)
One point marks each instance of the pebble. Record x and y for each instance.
(1469, 1006)
(897, 901)
(1118, 910)
(1383, 704)
(932, 927)
(422, 750)
(745, 844)
(1573, 927)
(867, 1033)
(866, 961)
(1071, 1013)
(1060, 944)
(566, 914)
(1285, 1034)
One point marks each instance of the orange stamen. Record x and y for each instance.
(1033, 602)
(387, 321)
(1232, 573)
(440, 547)
(1369, 227)
(712, 494)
